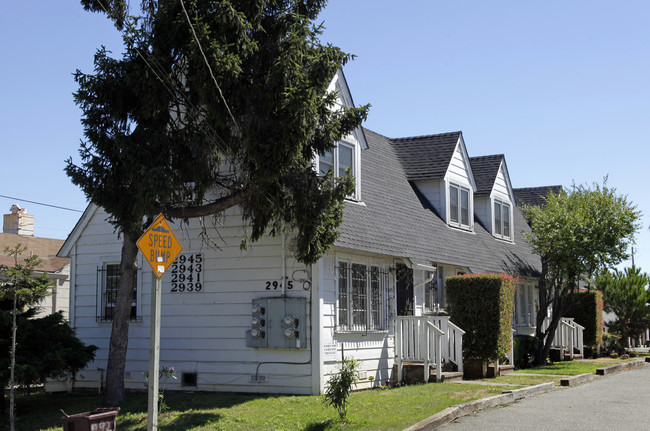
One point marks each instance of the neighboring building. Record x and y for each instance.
(259, 321)
(18, 228)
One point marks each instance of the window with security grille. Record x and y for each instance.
(108, 281)
(362, 297)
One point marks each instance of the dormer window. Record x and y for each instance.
(501, 219)
(459, 206)
(340, 159)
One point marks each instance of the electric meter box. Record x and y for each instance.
(278, 323)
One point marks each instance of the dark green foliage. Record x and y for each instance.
(587, 310)
(483, 306)
(340, 385)
(229, 108)
(47, 347)
(525, 348)
(626, 294)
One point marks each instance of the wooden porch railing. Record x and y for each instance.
(569, 335)
(427, 339)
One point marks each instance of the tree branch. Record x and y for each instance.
(213, 207)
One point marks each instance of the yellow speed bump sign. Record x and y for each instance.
(159, 246)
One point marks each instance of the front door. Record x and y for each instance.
(404, 276)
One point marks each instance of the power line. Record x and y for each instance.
(41, 203)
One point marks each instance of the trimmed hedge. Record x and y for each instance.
(483, 305)
(587, 310)
(525, 349)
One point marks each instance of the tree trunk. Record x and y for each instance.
(115, 394)
(12, 383)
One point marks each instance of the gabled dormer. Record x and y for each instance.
(347, 152)
(494, 199)
(439, 167)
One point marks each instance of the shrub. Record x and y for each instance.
(587, 310)
(525, 349)
(483, 304)
(340, 385)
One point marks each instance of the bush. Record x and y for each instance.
(525, 349)
(340, 385)
(587, 310)
(483, 304)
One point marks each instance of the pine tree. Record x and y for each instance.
(212, 104)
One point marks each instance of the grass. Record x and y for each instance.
(393, 409)
(572, 368)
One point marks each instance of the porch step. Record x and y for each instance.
(413, 372)
(446, 376)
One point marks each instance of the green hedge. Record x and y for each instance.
(525, 349)
(482, 305)
(587, 310)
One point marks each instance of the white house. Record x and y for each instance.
(259, 321)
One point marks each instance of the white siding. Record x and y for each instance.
(482, 211)
(203, 332)
(501, 190)
(434, 191)
(374, 350)
(458, 172)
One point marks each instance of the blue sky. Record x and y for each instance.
(561, 88)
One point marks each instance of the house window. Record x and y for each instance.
(501, 219)
(340, 160)
(431, 300)
(361, 297)
(459, 204)
(108, 280)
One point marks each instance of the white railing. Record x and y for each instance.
(427, 339)
(453, 346)
(569, 335)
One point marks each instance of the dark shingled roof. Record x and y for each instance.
(485, 170)
(534, 195)
(426, 157)
(394, 220)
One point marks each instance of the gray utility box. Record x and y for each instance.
(278, 323)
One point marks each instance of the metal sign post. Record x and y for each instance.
(154, 355)
(160, 248)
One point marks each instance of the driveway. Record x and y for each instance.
(617, 401)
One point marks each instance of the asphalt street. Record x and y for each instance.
(618, 401)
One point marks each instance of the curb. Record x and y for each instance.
(451, 413)
(531, 390)
(509, 397)
(620, 367)
(576, 380)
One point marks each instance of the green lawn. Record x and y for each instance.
(393, 409)
(571, 368)
(390, 409)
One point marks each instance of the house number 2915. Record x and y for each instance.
(274, 285)
(187, 273)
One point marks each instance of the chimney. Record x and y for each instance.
(18, 222)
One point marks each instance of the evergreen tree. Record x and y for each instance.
(214, 103)
(20, 287)
(625, 294)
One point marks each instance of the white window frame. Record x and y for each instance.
(102, 300)
(505, 208)
(367, 318)
(458, 210)
(336, 165)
